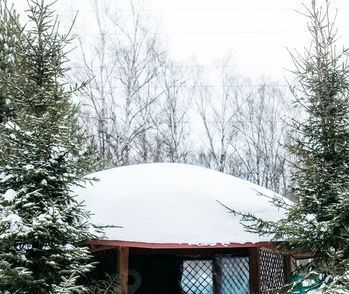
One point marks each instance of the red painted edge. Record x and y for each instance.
(131, 244)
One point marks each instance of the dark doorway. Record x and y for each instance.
(155, 274)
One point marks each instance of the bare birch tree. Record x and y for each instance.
(123, 72)
(172, 122)
(218, 108)
(244, 129)
(259, 151)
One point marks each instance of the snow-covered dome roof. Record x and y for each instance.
(175, 203)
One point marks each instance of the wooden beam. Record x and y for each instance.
(302, 255)
(193, 252)
(254, 271)
(95, 249)
(122, 269)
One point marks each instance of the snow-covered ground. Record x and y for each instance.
(175, 203)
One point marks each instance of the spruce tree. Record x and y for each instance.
(319, 222)
(41, 222)
(9, 38)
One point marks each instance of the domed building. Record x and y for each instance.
(171, 228)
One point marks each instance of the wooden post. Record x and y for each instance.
(217, 277)
(288, 270)
(122, 269)
(254, 271)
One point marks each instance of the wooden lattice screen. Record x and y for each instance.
(223, 274)
(272, 272)
(197, 277)
(233, 277)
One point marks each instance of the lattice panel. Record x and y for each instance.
(272, 272)
(234, 275)
(197, 277)
(224, 274)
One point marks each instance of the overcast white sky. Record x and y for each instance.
(256, 32)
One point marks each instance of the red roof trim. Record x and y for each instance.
(145, 245)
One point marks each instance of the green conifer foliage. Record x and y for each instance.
(41, 222)
(9, 38)
(319, 222)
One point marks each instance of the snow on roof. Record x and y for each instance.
(175, 203)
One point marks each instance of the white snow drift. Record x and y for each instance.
(175, 203)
